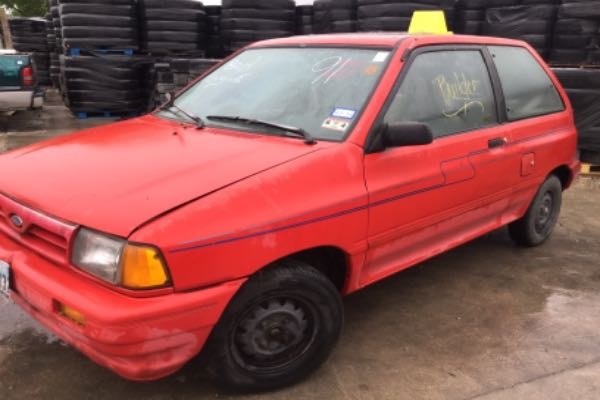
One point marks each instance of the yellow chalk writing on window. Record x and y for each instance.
(458, 89)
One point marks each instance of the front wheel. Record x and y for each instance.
(282, 324)
(538, 223)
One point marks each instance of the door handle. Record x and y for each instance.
(496, 142)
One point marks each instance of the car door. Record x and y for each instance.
(426, 199)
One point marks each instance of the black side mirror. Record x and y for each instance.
(396, 134)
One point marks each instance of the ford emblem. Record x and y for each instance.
(16, 220)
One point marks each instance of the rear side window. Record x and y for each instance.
(528, 90)
(449, 90)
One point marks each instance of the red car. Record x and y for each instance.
(233, 219)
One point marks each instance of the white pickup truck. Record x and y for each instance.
(18, 83)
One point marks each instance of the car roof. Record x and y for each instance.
(383, 39)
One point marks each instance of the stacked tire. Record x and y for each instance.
(247, 21)
(54, 64)
(395, 15)
(171, 75)
(163, 82)
(583, 87)
(528, 20)
(103, 85)
(576, 33)
(95, 24)
(469, 17)
(304, 20)
(214, 43)
(55, 15)
(334, 16)
(172, 26)
(185, 70)
(29, 35)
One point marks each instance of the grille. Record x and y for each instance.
(47, 236)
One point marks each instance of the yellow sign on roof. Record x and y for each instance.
(429, 22)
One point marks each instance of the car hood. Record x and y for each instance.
(116, 177)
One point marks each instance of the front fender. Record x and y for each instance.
(317, 200)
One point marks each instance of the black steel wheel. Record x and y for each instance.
(536, 226)
(280, 327)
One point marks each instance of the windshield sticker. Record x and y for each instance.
(371, 70)
(381, 56)
(336, 124)
(345, 113)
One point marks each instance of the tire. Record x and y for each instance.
(304, 10)
(169, 36)
(256, 24)
(520, 13)
(568, 56)
(98, 20)
(97, 9)
(470, 27)
(342, 26)
(576, 26)
(392, 9)
(260, 4)
(474, 4)
(111, 2)
(277, 14)
(169, 46)
(181, 4)
(594, 57)
(104, 43)
(189, 26)
(535, 227)
(170, 14)
(249, 36)
(72, 32)
(470, 15)
(517, 28)
(564, 41)
(592, 157)
(336, 14)
(536, 41)
(579, 78)
(436, 3)
(384, 24)
(587, 9)
(305, 316)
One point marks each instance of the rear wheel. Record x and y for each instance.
(538, 223)
(281, 326)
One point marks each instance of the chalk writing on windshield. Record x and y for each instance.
(327, 68)
(234, 71)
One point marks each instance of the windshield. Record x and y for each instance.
(318, 90)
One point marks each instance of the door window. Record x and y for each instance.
(528, 90)
(450, 90)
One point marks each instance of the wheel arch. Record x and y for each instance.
(564, 174)
(331, 261)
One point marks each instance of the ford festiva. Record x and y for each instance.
(232, 219)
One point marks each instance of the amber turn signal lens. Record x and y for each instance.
(72, 314)
(142, 268)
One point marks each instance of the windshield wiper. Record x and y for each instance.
(308, 139)
(171, 104)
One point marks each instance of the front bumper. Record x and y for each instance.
(138, 338)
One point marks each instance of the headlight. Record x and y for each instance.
(119, 262)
